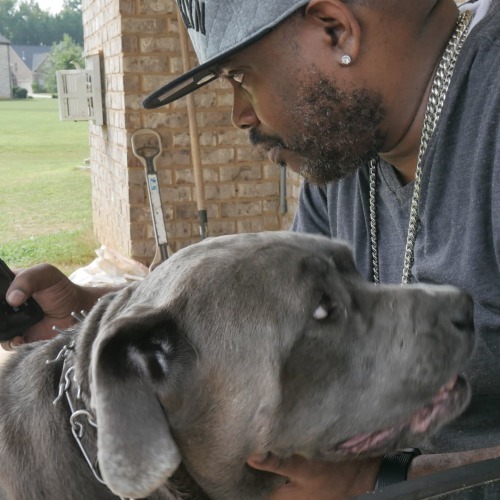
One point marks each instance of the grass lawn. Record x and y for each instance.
(45, 197)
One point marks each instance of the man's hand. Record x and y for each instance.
(57, 296)
(315, 480)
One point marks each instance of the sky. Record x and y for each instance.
(52, 6)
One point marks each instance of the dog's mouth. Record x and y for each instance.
(448, 403)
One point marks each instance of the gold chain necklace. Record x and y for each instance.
(433, 110)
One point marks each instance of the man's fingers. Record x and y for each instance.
(267, 462)
(271, 463)
(16, 297)
(11, 344)
(55, 294)
(29, 281)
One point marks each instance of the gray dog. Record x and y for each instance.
(242, 344)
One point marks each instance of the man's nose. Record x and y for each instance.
(243, 115)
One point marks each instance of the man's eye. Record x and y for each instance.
(238, 77)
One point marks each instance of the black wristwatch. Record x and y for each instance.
(394, 467)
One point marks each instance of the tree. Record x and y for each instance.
(25, 23)
(31, 25)
(6, 15)
(63, 55)
(69, 20)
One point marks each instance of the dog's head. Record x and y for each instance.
(269, 342)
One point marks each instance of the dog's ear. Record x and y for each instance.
(131, 358)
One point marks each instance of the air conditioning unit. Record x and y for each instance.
(80, 92)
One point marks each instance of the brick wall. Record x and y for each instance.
(140, 48)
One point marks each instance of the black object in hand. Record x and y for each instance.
(15, 321)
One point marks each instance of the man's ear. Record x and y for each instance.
(133, 359)
(340, 24)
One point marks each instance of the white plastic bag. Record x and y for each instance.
(109, 268)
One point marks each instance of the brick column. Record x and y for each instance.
(140, 49)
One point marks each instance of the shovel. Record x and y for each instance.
(146, 145)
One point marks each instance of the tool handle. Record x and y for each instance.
(150, 165)
(283, 202)
(203, 223)
(156, 209)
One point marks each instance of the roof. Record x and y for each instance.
(32, 55)
(4, 41)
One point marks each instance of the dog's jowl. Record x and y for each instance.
(257, 343)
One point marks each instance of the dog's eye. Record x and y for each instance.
(320, 313)
(325, 308)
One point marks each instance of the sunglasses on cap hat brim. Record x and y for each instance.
(193, 80)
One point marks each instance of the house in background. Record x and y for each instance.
(27, 63)
(5, 76)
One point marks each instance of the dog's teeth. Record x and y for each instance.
(320, 313)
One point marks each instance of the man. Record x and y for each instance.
(390, 110)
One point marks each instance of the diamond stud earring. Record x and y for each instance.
(345, 60)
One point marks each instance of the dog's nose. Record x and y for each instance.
(463, 314)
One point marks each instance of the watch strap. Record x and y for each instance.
(394, 467)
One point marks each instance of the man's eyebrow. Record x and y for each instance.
(222, 66)
(218, 69)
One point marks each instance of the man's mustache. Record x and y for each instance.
(264, 141)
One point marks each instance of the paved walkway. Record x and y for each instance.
(40, 96)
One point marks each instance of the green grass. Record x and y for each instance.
(45, 197)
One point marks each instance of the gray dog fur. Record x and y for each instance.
(223, 351)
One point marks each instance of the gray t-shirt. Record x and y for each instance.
(458, 241)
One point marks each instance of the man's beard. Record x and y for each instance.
(333, 132)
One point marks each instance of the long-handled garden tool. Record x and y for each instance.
(194, 136)
(283, 202)
(146, 145)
